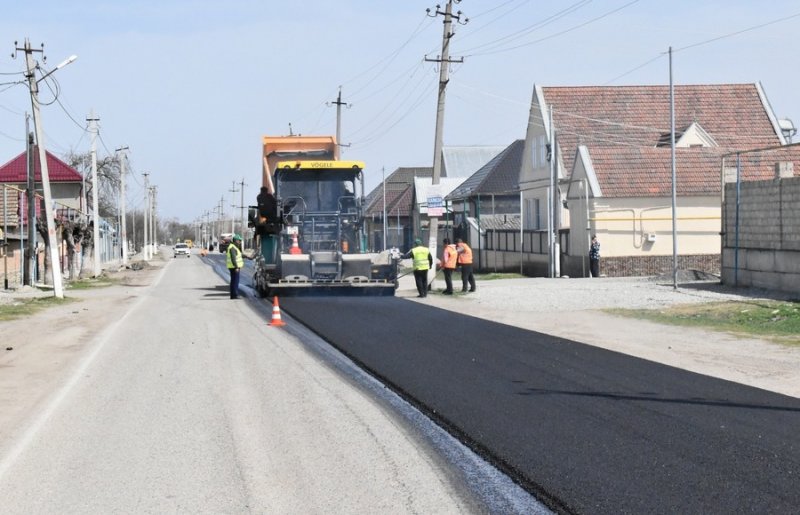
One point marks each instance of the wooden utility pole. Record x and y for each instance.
(444, 61)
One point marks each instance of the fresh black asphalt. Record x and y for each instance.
(584, 429)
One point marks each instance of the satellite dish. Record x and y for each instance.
(787, 128)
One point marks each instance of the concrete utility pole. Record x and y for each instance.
(33, 83)
(444, 62)
(233, 190)
(338, 103)
(30, 270)
(122, 153)
(241, 206)
(154, 218)
(674, 175)
(145, 248)
(95, 201)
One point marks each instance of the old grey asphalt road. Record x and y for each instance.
(191, 403)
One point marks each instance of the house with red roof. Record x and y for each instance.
(66, 187)
(610, 148)
(66, 184)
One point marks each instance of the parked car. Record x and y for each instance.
(181, 249)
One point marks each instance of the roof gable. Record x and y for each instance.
(16, 170)
(463, 161)
(499, 176)
(399, 180)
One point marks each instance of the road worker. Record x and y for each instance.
(449, 262)
(465, 263)
(235, 263)
(422, 262)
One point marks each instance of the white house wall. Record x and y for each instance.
(623, 225)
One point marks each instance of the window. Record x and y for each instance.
(540, 151)
(533, 214)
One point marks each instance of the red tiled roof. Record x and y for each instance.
(647, 172)
(16, 170)
(622, 127)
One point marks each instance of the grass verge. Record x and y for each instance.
(778, 321)
(89, 283)
(26, 307)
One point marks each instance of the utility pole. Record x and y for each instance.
(154, 218)
(122, 152)
(30, 271)
(233, 206)
(674, 176)
(383, 172)
(145, 248)
(444, 61)
(33, 83)
(241, 206)
(95, 201)
(338, 103)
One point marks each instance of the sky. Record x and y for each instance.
(190, 87)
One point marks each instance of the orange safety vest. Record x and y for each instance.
(450, 256)
(464, 254)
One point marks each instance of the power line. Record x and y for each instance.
(532, 28)
(736, 33)
(704, 42)
(561, 33)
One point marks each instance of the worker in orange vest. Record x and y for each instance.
(449, 262)
(465, 262)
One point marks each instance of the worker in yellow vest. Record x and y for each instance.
(422, 261)
(465, 262)
(235, 263)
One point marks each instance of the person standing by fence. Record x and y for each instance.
(594, 257)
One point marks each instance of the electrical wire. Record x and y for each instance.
(379, 114)
(493, 20)
(736, 33)
(656, 58)
(704, 42)
(389, 58)
(386, 105)
(12, 138)
(531, 28)
(375, 137)
(561, 33)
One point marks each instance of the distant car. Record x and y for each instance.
(181, 249)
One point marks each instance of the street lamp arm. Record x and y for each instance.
(65, 62)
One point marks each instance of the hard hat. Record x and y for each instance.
(418, 242)
(237, 237)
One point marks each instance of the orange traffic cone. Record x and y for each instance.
(276, 313)
(295, 246)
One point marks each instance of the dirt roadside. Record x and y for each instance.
(47, 346)
(38, 365)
